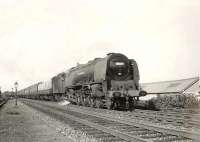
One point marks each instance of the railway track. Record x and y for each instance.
(191, 113)
(186, 122)
(126, 117)
(108, 128)
(2, 103)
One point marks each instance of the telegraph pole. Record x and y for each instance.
(0, 91)
(16, 85)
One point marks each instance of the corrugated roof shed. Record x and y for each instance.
(166, 87)
(194, 89)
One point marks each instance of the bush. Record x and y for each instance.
(191, 102)
(175, 101)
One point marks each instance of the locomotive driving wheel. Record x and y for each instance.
(131, 105)
(92, 103)
(98, 103)
(79, 100)
(86, 101)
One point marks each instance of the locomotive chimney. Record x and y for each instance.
(110, 53)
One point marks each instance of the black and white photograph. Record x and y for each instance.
(99, 71)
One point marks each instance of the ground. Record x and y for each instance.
(23, 124)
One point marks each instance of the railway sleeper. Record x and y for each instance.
(140, 133)
(166, 138)
(87, 129)
(129, 130)
(177, 139)
(111, 139)
(153, 135)
(99, 133)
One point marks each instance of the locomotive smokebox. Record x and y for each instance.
(142, 93)
(116, 94)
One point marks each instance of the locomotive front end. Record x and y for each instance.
(123, 81)
(120, 75)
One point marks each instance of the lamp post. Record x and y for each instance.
(12, 93)
(0, 91)
(16, 85)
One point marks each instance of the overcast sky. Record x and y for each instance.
(39, 38)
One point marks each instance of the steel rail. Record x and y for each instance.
(170, 118)
(168, 114)
(2, 103)
(170, 131)
(121, 135)
(183, 133)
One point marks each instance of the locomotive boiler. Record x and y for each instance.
(111, 82)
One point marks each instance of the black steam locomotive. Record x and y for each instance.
(111, 82)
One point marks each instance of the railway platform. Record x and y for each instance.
(22, 124)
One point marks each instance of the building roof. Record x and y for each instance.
(164, 87)
(194, 89)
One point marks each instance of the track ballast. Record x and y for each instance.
(105, 128)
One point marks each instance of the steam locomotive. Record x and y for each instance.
(111, 82)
